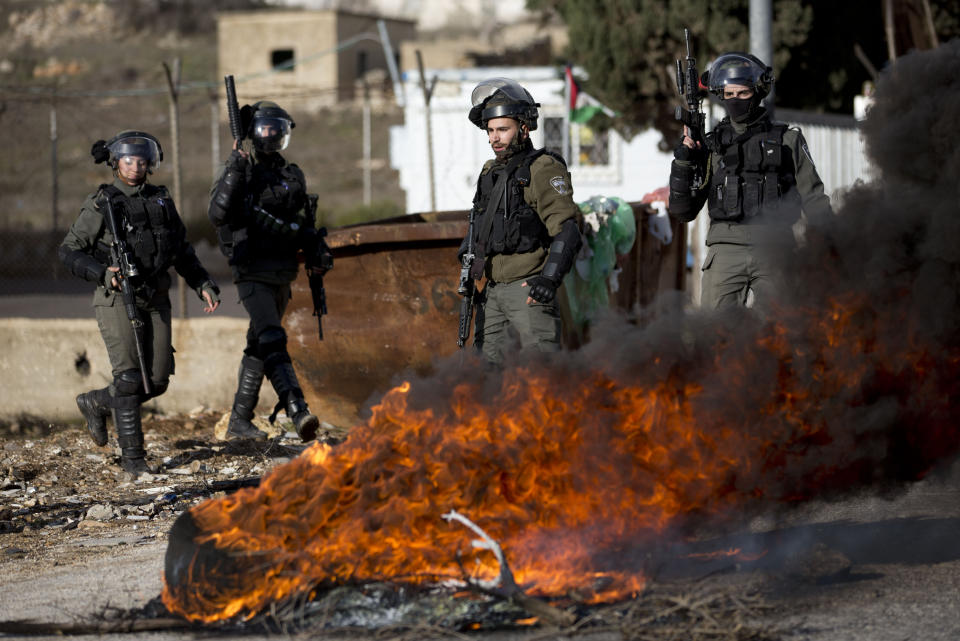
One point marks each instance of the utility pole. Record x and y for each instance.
(761, 38)
(366, 143)
(54, 176)
(427, 94)
(173, 84)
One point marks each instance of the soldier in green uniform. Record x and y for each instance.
(260, 207)
(526, 230)
(156, 237)
(756, 176)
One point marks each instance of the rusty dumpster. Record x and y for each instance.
(393, 305)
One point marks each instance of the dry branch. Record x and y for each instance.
(508, 588)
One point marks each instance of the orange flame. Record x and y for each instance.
(561, 466)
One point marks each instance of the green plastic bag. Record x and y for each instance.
(610, 231)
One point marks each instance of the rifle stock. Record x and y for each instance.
(121, 256)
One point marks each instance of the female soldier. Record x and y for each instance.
(137, 336)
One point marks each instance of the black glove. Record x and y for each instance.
(321, 258)
(543, 290)
(236, 160)
(682, 152)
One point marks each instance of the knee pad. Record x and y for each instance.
(158, 388)
(271, 341)
(128, 382)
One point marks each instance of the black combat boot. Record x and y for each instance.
(245, 400)
(303, 420)
(130, 438)
(95, 407)
(284, 380)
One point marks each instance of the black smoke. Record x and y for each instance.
(853, 370)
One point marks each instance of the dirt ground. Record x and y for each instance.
(80, 539)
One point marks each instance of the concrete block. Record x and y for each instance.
(45, 363)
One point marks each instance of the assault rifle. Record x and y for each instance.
(122, 257)
(467, 287)
(688, 85)
(233, 111)
(317, 265)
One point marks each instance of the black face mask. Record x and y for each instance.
(739, 109)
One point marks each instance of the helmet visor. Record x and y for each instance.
(507, 87)
(271, 134)
(734, 69)
(136, 146)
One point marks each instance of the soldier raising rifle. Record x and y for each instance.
(264, 216)
(755, 175)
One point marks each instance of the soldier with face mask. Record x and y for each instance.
(156, 237)
(526, 233)
(758, 177)
(263, 216)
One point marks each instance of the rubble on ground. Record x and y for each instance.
(57, 486)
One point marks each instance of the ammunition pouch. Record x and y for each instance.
(754, 175)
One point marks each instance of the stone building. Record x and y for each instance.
(306, 59)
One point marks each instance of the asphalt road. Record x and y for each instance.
(71, 298)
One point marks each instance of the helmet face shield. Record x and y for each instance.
(739, 69)
(270, 133)
(137, 147)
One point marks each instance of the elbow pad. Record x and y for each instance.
(80, 264)
(563, 251)
(681, 182)
(227, 188)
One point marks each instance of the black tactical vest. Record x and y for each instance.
(509, 225)
(150, 222)
(275, 213)
(755, 173)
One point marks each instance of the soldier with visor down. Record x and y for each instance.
(156, 237)
(758, 177)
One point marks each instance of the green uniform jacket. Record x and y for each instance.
(550, 193)
(90, 228)
(766, 229)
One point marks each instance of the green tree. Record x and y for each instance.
(629, 47)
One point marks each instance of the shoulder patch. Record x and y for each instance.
(560, 184)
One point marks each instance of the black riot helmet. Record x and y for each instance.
(737, 68)
(128, 143)
(502, 98)
(269, 126)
